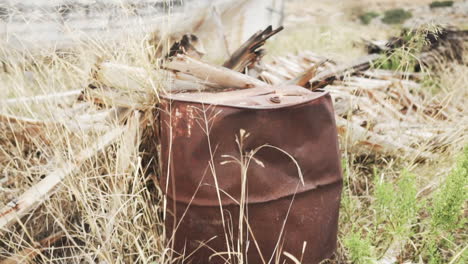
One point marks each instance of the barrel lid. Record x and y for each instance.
(257, 98)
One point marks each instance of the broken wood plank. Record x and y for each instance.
(304, 78)
(249, 52)
(42, 190)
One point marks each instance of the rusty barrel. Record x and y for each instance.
(250, 176)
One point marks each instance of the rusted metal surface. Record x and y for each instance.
(280, 213)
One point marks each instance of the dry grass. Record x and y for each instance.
(110, 211)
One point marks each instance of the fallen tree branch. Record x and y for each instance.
(38, 193)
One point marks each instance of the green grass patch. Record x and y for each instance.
(446, 222)
(395, 204)
(439, 4)
(360, 250)
(367, 17)
(446, 211)
(396, 16)
(404, 57)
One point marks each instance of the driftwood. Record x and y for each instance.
(250, 52)
(41, 191)
(28, 254)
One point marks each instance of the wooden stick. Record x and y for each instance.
(26, 255)
(221, 76)
(41, 191)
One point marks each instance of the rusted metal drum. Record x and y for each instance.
(261, 212)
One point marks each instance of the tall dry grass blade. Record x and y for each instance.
(38, 193)
(26, 255)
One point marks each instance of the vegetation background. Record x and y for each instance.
(394, 210)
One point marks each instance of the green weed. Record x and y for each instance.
(446, 216)
(396, 16)
(367, 17)
(404, 57)
(396, 204)
(360, 250)
(447, 205)
(438, 4)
